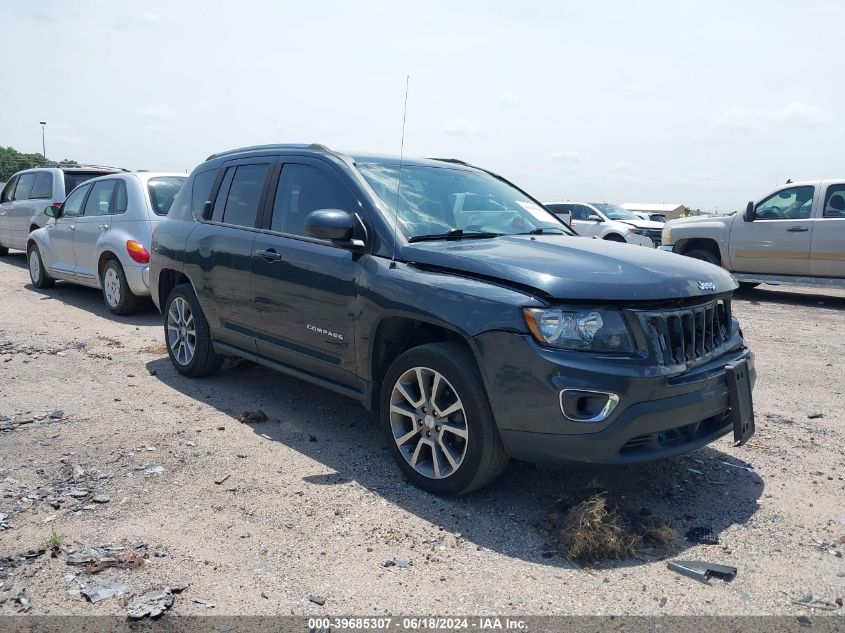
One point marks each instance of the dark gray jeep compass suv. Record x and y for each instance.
(455, 305)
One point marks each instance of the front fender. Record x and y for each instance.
(460, 304)
(42, 238)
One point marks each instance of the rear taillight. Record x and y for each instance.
(137, 252)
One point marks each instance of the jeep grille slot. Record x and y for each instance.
(681, 336)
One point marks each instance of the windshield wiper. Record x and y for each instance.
(453, 234)
(542, 231)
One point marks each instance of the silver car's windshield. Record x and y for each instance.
(439, 200)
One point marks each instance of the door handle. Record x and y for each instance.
(269, 255)
(104, 227)
(797, 229)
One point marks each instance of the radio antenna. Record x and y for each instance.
(399, 177)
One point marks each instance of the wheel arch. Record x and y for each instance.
(682, 247)
(168, 279)
(393, 336)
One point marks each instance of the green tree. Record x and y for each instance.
(12, 161)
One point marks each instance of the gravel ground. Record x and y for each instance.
(259, 517)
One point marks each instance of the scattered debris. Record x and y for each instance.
(396, 562)
(104, 590)
(206, 603)
(702, 571)
(58, 414)
(253, 416)
(317, 599)
(815, 416)
(152, 604)
(702, 535)
(100, 498)
(747, 468)
(96, 559)
(222, 479)
(23, 600)
(154, 470)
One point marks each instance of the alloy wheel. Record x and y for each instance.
(181, 331)
(428, 422)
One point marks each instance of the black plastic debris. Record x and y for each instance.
(703, 535)
(702, 571)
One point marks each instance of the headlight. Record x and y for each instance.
(633, 230)
(666, 235)
(598, 330)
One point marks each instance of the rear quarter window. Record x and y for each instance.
(163, 190)
(42, 188)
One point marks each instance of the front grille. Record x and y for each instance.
(656, 235)
(685, 335)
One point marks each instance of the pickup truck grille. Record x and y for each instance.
(688, 334)
(656, 235)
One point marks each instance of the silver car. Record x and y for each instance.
(23, 198)
(100, 236)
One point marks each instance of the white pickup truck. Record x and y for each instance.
(796, 234)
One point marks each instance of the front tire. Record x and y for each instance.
(437, 420)
(117, 294)
(703, 255)
(187, 334)
(4, 250)
(37, 272)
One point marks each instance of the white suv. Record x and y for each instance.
(608, 222)
(29, 192)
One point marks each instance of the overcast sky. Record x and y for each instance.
(706, 104)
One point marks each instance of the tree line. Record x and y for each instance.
(12, 161)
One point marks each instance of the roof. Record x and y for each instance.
(651, 207)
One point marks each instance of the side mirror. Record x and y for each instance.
(53, 212)
(335, 225)
(748, 216)
(594, 218)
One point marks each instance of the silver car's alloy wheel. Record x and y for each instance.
(428, 422)
(34, 266)
(181, 331)
(111, 287)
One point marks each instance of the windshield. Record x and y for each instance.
(162, 191)
(615, 213)
(436, 200)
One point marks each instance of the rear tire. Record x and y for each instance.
(420, 435)
(117, 294)
(187, 335)
(37, 272)
(613, 237)
(4, 250)
(748, 285)
(703, 255)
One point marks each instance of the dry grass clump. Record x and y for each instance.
(596, 529)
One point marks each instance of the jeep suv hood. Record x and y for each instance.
(574, 268)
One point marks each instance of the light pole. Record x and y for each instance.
(43, 141)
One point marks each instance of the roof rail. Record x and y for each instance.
(85, 166)
(251, 148)
(457, 161)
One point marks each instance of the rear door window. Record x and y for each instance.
(834, 202)
(24, 187)
(42, 188)
(99, 202)
(244, 194)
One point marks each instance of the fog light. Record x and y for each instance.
(584, 405)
